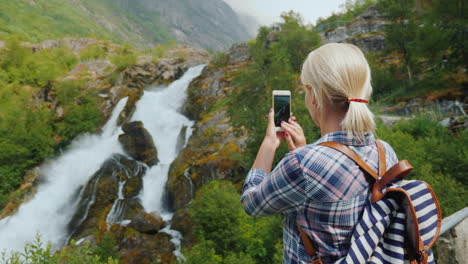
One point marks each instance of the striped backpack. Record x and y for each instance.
(401, 220)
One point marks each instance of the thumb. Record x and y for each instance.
(271, 118)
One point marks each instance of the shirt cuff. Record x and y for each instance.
(254, 178)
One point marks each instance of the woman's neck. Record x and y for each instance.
(330, 121)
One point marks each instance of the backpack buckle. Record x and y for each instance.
(421, 255)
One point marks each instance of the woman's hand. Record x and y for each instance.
(293, 133)
(272, 137)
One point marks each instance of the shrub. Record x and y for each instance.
(21, 65)
(225, 230)
(92, 52)
(122, 61)
(36, 252)
(438, 157)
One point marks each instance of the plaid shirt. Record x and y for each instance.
(320, 188)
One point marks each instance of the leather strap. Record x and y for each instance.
(398, 171)
(351, 154)
(382, 158)
(309, 247)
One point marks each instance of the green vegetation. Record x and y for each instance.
(21, 66)
(351, 9)
(30, 131)
(428, 41)
(35, 252)
(438, 156)
(40, 20)
(137, 14)
(226, 234)
(276, 66)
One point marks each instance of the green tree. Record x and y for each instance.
(225, 232)
(402, 32)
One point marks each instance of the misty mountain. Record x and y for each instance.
(210, 24)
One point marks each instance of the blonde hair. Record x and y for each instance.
(336, 72)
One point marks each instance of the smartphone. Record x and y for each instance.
(282, 107)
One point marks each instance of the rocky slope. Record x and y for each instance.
(206, 24)
(365, 31)
(212, 149)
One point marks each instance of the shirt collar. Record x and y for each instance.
(347, 138)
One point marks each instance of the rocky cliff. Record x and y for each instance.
(365, 31)
(212, 149)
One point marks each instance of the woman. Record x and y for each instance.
(315, 186)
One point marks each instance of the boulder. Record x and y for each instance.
(140, 248)
(149, 223)
(96, 199)
(138, 143)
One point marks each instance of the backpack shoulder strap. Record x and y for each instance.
(352, 155)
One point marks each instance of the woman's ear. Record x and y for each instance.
(312, 94)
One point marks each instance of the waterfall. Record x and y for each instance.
(53, 205)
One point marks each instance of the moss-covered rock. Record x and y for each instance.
(138, 143)
(98, 196)
(149, 223)
(140, 248)
(214, 148)
(182, 222)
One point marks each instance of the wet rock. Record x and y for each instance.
(138, 143)
(182, 222)
(130, 107)
(88, 239)
(133, 187)
(149, 223)
(181, 138)
(95, 200)
(139, 248)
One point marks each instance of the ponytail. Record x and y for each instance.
(358, 120)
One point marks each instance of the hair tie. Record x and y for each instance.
(358, 100)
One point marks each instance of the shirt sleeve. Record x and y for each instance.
(281, 191)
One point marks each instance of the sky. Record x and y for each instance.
(269, 11)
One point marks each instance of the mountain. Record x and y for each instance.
(209, 24)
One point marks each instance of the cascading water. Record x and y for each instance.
(52, 207)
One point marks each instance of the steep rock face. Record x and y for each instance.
(211, 151)
(365, 31)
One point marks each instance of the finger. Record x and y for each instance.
(291, 129)
(295, 125)
(290, 141)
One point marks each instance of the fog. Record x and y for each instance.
(267, 12)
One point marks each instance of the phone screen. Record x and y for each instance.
(282, 108)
